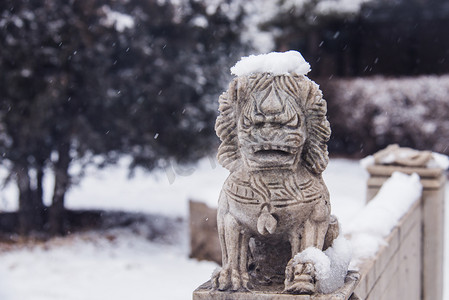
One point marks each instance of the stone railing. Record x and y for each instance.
(395, 271)
(408, 266)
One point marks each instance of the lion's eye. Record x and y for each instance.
(258, 120)
(246, 122)
(294, 122)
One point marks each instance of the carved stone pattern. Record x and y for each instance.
(308, 97)
(274, 132)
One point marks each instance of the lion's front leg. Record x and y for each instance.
(234, 274)
(314, 234)
(300, 277)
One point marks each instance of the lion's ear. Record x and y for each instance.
(226, 128)
(315, 153)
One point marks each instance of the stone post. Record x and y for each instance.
(395, 159)
(204, 242)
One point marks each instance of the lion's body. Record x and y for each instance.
(274, 132)
(291, 205)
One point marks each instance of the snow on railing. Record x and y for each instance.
(377, 219)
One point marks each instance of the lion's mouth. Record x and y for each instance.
(262, 153)
(272, 150)
(268, 156)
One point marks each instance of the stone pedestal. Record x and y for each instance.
(433, 181)
(205, 292)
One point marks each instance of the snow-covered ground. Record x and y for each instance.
(119, 263)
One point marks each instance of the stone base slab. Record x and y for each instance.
(205, 292)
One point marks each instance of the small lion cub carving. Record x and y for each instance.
(274, 132)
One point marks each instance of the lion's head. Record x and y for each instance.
(268, 122)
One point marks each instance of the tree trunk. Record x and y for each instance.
(30, 204)
(37, 194)
(57, 218)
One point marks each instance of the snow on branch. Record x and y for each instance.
(118, 20)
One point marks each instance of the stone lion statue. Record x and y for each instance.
(274, 204)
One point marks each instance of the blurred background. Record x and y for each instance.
(107, 111)
(88, 82)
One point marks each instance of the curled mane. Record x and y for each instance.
(308, 97)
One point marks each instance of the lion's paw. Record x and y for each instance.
(303, 279)
(230, 279)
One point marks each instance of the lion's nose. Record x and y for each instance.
(266, 132)
(272, 104)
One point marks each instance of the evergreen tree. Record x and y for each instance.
(88, 78)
